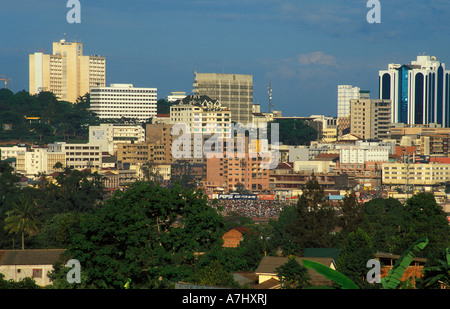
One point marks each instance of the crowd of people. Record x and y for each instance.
(255, 209)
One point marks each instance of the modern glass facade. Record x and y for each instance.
(419, 91)
(403, 94)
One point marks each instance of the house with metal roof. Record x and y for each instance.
(34, 263)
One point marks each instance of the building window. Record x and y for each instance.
(37, 273)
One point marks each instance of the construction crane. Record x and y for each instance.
(6, 80)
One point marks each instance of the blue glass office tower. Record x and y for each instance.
(419, 92)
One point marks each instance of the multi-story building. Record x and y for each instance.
(370, 118)
(415, 174)
(124, 101)
(160, 135)
(38, 161)
(67, 72)
(108, 135)
(134, 153)
(434, 145)
(78, 156)
(362, 154)
(141, 153)
(248, 166)
(420, 91)
(234, 91)
(363, 161)
(345, 94)
(11, 152)
(203, 119)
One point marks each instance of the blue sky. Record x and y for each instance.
(303, 48)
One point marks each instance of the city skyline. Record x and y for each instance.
(304, 50)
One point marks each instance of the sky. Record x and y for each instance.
(304, 49)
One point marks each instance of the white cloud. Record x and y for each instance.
(316, 58)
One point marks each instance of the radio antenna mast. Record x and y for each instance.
(270, 98)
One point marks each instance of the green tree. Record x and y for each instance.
(22, 219)
(356, 251)
(424, 218)
(352, 214)
(315, 218)
(294, 132)
(215, 274)
(25, 283)
(384, 219)
(148, 233)
(281, 238)
(292, 275)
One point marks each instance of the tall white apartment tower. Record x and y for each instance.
(67, 73)
(345, 94)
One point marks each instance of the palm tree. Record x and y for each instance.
(22, 218)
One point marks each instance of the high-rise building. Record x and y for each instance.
(204, 118)
(66, 73)
(370, 118)
(124, 101)
(419, 92)
(234, 91)
(345, 94)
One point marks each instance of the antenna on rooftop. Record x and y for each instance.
(270, 98)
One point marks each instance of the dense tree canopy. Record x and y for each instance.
(58, 120)
(293, 132)
(149, 234)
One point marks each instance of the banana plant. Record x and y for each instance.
(392, 280)
(440, 274)
(331, 274)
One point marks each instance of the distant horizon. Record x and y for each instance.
(304, 50)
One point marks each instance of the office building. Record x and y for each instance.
(67, 72)
(420, 91)
(109, 135)
(124, 101)
(370, 118)
(78, 156)
(234, 91)
(247, 167)
(160, 135)
(345, 94)
(204, 119)
(416, 174)
(38, 161)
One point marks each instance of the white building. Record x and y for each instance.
(38, 161)
(204, 118)
(108, 135)
(124, 100)
(79, 156)
(175, 96)
(11, 152)
(344, 95)
(362, 154)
